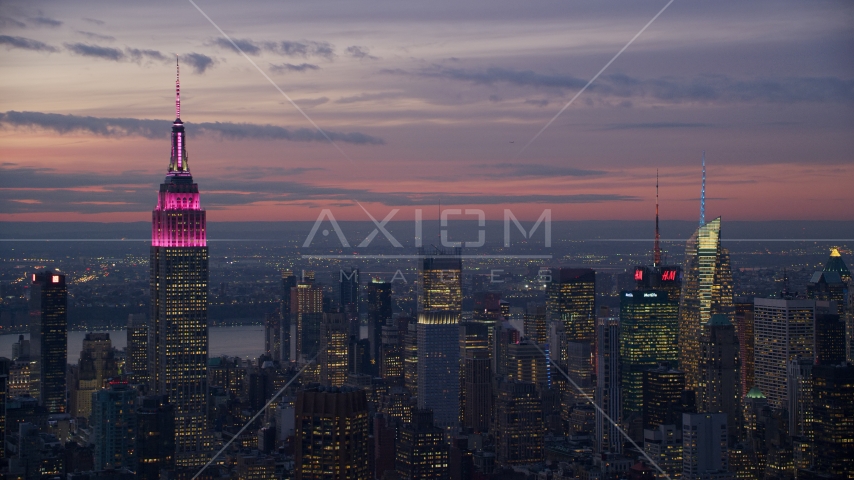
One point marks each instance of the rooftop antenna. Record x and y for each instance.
(656, 260)
(703, 194)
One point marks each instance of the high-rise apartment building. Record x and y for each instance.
(535, 326)
(439, 366)
(571, 298)
(476, 376)
(648, 321)
(178, 323)
(707, 289)
(49, 339)
(784, 330)
(331, 434)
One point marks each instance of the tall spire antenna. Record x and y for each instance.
(177, 88)
(656, 260)
(703, 194)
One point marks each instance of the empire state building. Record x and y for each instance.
(178, 325)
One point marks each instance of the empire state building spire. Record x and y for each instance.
(178, 165)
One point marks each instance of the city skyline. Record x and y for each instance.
(431, 105)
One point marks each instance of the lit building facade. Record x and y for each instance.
(648, 321)
(440, 282)
(707, 289)
(421, 451)
(137, 348)
(331, 434)
(334, 353)
(519, 429)
(178, 330)
(49, 339)
(784, 331)
(662, 396)
(571, 298)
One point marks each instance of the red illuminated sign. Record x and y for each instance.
(55, 278)
(638, 274)
(668, 276)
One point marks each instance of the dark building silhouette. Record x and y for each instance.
(288, 334)
(155, 436)
(519, 430)
(719, 389)
(829, 339)
(379, 314)
(746, 341)
(113, 424)
(833, 420)
(662, 396)
(49, 339)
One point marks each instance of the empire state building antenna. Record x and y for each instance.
(703, 194)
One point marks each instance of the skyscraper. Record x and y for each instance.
(114, 426)
(647, 339)
(334, 355)
(477, 377)
(307, 314)
(96, 365)
(662, 396)
(288, 334)
(706, 290)
(439, 367)
(720, 376)
(784, 330)
(421, 452)
(571, 298)
(440, 282)
(519, 432)
(349, 301)
(49, 339)
(607, 396)
(833, 415)
(178, 332)
(273, 336)
(155, 436)
(746, 342)
(704, 446)
(137, 348)
(379, 313)
(331, 434)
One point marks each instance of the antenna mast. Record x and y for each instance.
(656, 260)
(703, 194)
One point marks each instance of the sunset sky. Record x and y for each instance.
(429, 102)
